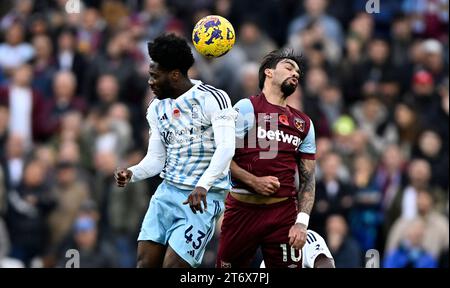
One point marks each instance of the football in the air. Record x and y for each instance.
(213, 36)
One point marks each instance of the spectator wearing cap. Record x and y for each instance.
(423, 94)
(433, 59)
(93, 252)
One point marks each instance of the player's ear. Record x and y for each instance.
(175, 75)
(268, 72)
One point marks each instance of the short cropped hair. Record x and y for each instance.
(171, 52)
(273, 58)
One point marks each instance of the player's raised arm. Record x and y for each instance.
(307, 191)
(153, 162)
(223, 119)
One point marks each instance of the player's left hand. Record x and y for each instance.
(195, 199)
(297, 236)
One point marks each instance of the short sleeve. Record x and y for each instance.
(307, 149)
(152, 119)
(246, 117)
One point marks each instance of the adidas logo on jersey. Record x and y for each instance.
(163, 117)
(279, 136)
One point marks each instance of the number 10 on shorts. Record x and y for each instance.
(294, 251)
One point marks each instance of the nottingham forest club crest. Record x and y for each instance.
(299, 124)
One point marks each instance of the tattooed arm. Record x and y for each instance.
(306, 195)
(307, 191)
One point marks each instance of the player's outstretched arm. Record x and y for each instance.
(153, 162)
(266, 185)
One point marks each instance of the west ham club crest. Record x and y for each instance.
(299, 124)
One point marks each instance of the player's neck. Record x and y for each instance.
(274, 96)
(183, 87)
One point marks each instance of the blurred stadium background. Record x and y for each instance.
(73, 96)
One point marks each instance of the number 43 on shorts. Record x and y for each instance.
(189, 237)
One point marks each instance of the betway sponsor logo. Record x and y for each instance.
(279, 136)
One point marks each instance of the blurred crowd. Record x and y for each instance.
(73, 96)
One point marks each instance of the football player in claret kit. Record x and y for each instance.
(275, 148)
(190, 148)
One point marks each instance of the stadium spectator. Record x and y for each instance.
(69, 193)
(430, 148)
(366, 217)
(44, 65)
(436, 230)
(6, 262)
(68, 58)
(14, 52)
(93, 252)
(64, 99)
(333, 196)
(410, 253)
(253, 41)
(315, 10)
(27, 108)
(29, 205)
(345, 250)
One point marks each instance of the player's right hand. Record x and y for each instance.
(266, 185)
(122, 176)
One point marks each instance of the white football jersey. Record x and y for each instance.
(186, 131)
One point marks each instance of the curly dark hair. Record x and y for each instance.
(171, 52)
(273, 58)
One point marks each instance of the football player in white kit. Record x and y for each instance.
(191, 148)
